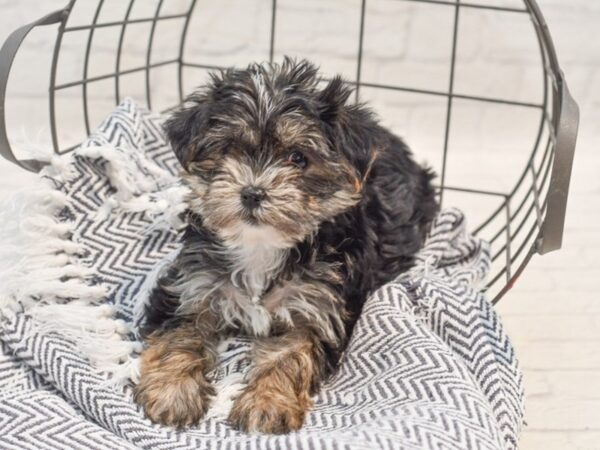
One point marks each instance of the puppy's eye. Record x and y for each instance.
(298, 159)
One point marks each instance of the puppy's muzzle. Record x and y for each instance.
(252, 197)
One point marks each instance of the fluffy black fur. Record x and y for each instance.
(361, 207)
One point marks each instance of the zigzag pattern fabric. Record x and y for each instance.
(429, 365)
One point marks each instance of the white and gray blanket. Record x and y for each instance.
(428, 366)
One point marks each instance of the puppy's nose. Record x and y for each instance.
(252, 196)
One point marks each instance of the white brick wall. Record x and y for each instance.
(406, 44)
(553, 314)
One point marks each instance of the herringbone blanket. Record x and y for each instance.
(428, 366)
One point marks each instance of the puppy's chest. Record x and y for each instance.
(254, 270)
(252, 294)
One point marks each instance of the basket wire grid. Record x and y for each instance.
(530, 216)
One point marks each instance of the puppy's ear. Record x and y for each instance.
(333, 99)
(185, 128)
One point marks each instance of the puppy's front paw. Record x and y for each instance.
(269, 410)
(172, 389)
(179, 401)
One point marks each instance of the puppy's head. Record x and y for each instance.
(260, 156)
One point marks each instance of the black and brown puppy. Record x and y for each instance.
(301, 205)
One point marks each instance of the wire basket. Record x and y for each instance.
(153, 51)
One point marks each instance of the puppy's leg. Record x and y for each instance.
(173, 388)
(286, 370)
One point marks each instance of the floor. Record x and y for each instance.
(553, 317)
(553, 312)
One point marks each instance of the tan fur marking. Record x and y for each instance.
(374, 156)
(278, 394)
(173, 389)
(296, 130)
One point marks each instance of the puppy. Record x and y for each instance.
(301, 205)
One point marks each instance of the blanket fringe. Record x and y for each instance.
(136, 191)
(41, 266)
(38, 261)
(97, 333)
